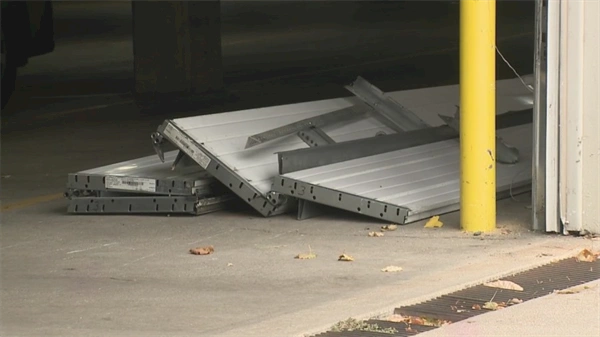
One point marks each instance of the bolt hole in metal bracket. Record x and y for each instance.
(267, 205)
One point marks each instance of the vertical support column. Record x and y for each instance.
(478, 112)
(177, 50)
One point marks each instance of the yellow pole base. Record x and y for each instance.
(477, 115)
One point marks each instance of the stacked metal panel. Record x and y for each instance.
(240, 149)
(145, 185)
(367, 154)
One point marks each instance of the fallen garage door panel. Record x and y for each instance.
(145, 204)
(405, 185)
(218, 142)
(145, 175)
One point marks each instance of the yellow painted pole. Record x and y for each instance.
(477, 115)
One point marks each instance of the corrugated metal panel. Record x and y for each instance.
(420, 179)
(146, 174)
(224, 135)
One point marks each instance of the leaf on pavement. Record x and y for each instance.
(434, 222)
(375, 234)
(307, 256)
(476, 307)
(391, 227)
(391, 269)
(586, 256)
(345, 257)
(202, 250)
(515, 301)
(491, 306)
(504, 285)
(396, 318)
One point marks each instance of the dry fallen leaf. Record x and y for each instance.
(490, 306)
(390, 228)
(391, 269)
(504, 285)
(571, 291)
(345, 257)
(396, 318)
(515, 301)
(307, 256)
(202, 250)
(476, 307)
(375, 234)
(586, 256)
(434, 222)
(230, 264)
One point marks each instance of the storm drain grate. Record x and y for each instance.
(466, 303)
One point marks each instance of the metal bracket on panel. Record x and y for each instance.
(390, 112)
(301, 159)
(505, 154)
(342, 115)
(223, 173)
(182, 160)
(349, 202)
(308, 209)
(314, 137)
(157, 141)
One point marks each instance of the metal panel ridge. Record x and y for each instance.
(405, 185)
(144, 175)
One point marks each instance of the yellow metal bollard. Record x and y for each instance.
(477, 115)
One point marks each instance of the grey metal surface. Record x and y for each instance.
(314, 137)
(301, 159)
(218, 142)
(145, 175)
(267, 205)
(147, 204)
(397, 116)
(334, 117)
(405, 185)
(308, 209)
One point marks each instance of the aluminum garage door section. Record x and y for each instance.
(406, 185)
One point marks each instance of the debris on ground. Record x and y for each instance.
(306, 256)
(504, 285)
(202, 250)
(513, 301)
(352, 324)
(587, 256)
(345, 257)
(492, 306)
(426, 321)
(391, 269)
(230, 264)
(391, 227)
(375, 234)
(434, 222)
(478, 233)
(395, 318)
(476, 307)
(571, 291)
